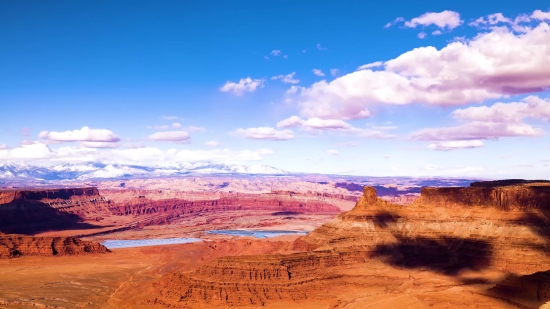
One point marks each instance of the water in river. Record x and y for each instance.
(117, 244)
(257, 233)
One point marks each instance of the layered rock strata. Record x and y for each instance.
(34, 211)
(12, 246)
(500, 228)
(181, 207)
(445, 231)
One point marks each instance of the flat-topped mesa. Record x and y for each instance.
(38, 210)
(8, 196)
(505, 195)
(502, 228)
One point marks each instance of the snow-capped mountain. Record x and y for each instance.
(94, 170)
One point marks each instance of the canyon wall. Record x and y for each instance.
(35, 211)
(521, 197)
(255, 280)
(181, 207)
(8, 196)
(503, 228)
(12, 246)
(445, 231)
(32, 212)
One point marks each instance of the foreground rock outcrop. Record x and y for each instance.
(529, 290)
(446, 231)
(12, 246)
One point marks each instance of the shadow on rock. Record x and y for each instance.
(34, 217)
(445, 255)
(530, 291)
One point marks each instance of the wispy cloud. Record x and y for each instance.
(171, 136)
(316, 125)
(453, 145)
(244, 85)
(318, 72)
(264, 133)
(370, 65)
(287, 79)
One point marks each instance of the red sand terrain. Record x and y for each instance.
(485, 246)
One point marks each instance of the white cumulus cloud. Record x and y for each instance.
(83, 135)
(463, 72)
(445, 19)
(244, 85)
(170, 136)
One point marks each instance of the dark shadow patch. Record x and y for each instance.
(382, 219)
(286, 213)
(472, 281)
(30, 217)
(446, 255)
(349, 186)
(530, 291)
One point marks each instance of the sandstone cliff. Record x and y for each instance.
(181, 207)
(12, 246)
(34, 211)
(445, 231)
(503, 228)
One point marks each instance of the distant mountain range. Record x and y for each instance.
(93, 170)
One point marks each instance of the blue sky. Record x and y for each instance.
(152, 82)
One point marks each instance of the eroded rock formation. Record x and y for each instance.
(182, 207)
(32, 212)
(445, 231)
(12, 246)
(35, 211)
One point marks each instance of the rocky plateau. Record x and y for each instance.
(488, 227)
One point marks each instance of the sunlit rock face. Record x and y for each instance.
(12, 246)
(488, 226)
